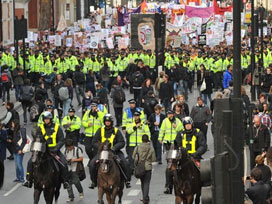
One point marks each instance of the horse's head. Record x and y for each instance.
(38, 149)
(105, 156)
(173, 156)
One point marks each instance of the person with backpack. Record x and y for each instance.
(118, 98)
(66, 95)
(145, 153)
(7, 82)
(73, 155)
(137, 80)
(18, 78)
(10, 116)
(35, 111)
(26, 97)
(55, 89)
(79, 82)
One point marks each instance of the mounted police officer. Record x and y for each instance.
(52, 134)
(192, 139)
(115, 137)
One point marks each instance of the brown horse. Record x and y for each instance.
(109, 179)
(187, 182)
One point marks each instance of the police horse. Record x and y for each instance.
(45, 174)
(187, 182)
(109, 178)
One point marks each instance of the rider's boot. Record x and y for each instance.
(93, 185)
(29, 179)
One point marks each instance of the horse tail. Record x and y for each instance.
(2, 170)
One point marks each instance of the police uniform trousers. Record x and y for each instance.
(89, 147)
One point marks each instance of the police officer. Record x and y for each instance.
(128, 118)
(53, 136)
(115, 137)
(91, 121)
(192, 139)
(136, 130)
(49, 108)
(71, 123)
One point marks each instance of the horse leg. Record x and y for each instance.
(114, 194)
(197, 197)
(57, 193)
(100, 195)
(49, 195)
(120, 195)
(109, 198)
(190, 199)
(178, 199)
(37, 194)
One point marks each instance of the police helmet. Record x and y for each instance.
(187, 120)
(108, 117)
(47, 115)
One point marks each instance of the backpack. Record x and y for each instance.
(4, 77)
(119, 96)
(139, 170)
(15, 115)
(137, 80)
(34, 112)
(63, 93)
(26, 94)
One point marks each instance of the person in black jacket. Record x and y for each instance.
(55, 89)
(146, 87)
(150, 103)
(260, 140)
(155, 121)
(267, 81)
(137, 80)
(209, 87)
(117, 144)
(166, 93)
(258, 192)
(117, 93)
(26, 97)
(79, 83)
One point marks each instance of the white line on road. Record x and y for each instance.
(138, 182)
(126, 201)
(133, 192)
(13, 189)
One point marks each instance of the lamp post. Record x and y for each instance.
(252, 42)
(53, 15)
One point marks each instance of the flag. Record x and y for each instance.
(143, 6)
(219, 10)
(120, 18)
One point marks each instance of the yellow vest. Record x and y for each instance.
(192, 143)
(53, 136)
(112, 137)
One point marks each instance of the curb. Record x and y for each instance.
(17, 106)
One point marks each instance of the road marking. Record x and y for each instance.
(138, 182)
(126, 201)
(85, 161)
(133, 192)
(13, 189)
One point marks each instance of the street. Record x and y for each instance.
(12, 193)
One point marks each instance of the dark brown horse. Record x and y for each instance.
(109, 179)
(187, 182)
(45, 175)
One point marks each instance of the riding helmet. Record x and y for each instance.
(47, 115)
(108, 117)
(187, 120)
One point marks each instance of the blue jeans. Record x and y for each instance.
(205, 96)
(18, 158)
(66, 106)
(183, 88)
(17, 92)
(167, 104)
(175, 88)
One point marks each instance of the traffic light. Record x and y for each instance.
(160, 25)
(215, 177)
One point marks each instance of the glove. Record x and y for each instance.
(134, 128)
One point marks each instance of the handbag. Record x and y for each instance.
(80, 170)
(139, 170)
(27, 146)
(203, 86)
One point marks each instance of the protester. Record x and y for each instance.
(145, 152)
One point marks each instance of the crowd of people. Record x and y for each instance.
(51, 77)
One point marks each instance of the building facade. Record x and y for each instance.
(7, 25)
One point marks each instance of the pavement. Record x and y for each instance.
(11, 192)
